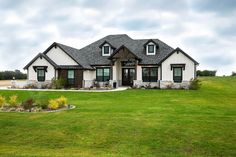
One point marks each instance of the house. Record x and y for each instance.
(114, 59)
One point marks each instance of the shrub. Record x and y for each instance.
(58, 83)
(13, 101)
(53, 104)
(28, 104)
(62, 101)
(194, 84)
(2, 101)
(43, 104)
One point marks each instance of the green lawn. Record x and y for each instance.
(128, 123)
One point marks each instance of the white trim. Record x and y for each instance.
(103, 50)
(151, 43)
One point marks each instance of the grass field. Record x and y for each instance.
(134, 123)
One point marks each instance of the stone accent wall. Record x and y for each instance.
(140, 83)
(172, 85)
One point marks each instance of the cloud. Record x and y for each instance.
(205, 29)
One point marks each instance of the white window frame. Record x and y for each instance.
(147, 52)
(103, 47)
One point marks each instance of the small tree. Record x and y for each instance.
(28, 104)
(194, 84)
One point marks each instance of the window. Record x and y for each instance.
(106, 50)
(177, 74)
(151, 49)
(41, 75)
(149, 74)
(103, 74)
(71, 77)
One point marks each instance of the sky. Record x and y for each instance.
(205, 29)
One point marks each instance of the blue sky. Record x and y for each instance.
(205, 29)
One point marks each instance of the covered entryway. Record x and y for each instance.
(128, 76)
(124, 68)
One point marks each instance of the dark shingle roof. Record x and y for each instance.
(92, 55)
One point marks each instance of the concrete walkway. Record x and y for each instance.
(65, 90)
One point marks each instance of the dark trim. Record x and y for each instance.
(177, 65)
(106, 42)
(150, 40)
(72, 67)
(100, 64)
(127, 82)
(58, 45)
(148, 64)
(41, 55)
(70, 84)
(40, 67)
(181, 74)
(178, 50)
(103, 73)
(160, 72)
(124, 47)
(149, 74)
(44, 75)
(195, 71)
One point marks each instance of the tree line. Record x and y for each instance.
(210, 73)
(9, 75)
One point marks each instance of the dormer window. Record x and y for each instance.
(106, 50)
(151, 47)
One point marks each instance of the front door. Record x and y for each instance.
(128, 76)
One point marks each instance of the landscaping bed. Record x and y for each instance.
(11, 104)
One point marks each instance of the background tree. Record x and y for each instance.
(206, 73)
(233, 73)
(9, 75)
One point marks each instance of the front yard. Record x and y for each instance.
(127, 123)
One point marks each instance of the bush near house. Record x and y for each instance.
(58, 83)
(195, 84)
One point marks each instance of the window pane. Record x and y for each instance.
(71, 74)
(145, 72)
(150, 48)
(107, 72)
(177, 74)
(99, 72)
(40, 72)
(106, 49)
(177, 71)
(153, 72)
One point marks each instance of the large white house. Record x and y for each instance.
(114, 59)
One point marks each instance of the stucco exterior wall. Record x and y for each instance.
(88, 77)
(60, 57)
(177, 58)
(49, 75)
